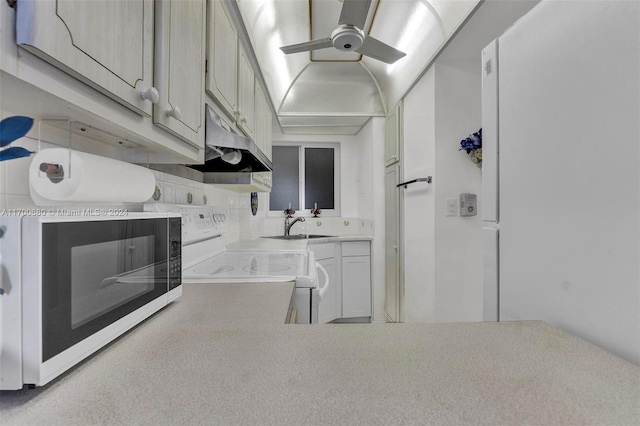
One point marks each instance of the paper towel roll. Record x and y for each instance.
(88, 178)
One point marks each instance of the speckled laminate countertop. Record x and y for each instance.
(205, 360)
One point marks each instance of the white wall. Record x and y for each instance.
(442, 254)
(458, 239)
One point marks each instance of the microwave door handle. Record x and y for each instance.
(325, 285)
(109, 281)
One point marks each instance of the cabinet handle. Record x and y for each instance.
(243, 120)
(174, 112)
(237, 112)
(151, 95)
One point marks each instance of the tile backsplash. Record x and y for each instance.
(241, 224)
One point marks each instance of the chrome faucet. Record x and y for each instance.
(287, 225)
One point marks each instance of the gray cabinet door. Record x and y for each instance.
(105, 44)
(179, 68)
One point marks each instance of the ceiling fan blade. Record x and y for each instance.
(322, 43)
(354, 12)
(379, 50)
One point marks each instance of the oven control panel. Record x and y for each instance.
(198, 222)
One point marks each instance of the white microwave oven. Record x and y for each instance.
(73, 283)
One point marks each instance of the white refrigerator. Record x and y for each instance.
(561, 172)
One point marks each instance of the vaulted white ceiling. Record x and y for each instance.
(328, 91)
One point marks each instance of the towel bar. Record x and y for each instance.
(405, 184)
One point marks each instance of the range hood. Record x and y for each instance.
(226, 151)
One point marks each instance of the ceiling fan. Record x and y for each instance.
(349, 37)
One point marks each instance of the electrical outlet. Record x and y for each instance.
(452, 207)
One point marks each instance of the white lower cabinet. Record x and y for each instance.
(348, 265)
(356, 279)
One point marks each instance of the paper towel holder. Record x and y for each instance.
(67, 132)
(55, 172)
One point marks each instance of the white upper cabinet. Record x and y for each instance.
(222, 57)
(263, 117)
(260, 130)
(269, 130)
(106, 44)
(179, 68)
(393, 136)
(246, 116)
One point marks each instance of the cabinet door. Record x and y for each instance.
(269, 144)
(328, 308)
(179, 68)
(268, 117)
(222, 57)
(392, 136)
(356, 286)
(246, 92)
(269, 130)
(394, 294)
(260, 130)
(105, 44)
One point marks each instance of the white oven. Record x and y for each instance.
(206, 261)
(73, 283)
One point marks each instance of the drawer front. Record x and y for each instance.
(356, 248)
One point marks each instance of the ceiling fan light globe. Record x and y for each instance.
(347, 38)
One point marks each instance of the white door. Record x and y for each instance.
(490, 275)
(179, 68)
(569, 171)
(328, 308)
(105, 44)
(393, 288)
(490, 190)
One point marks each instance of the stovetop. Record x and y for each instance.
(250, 265)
